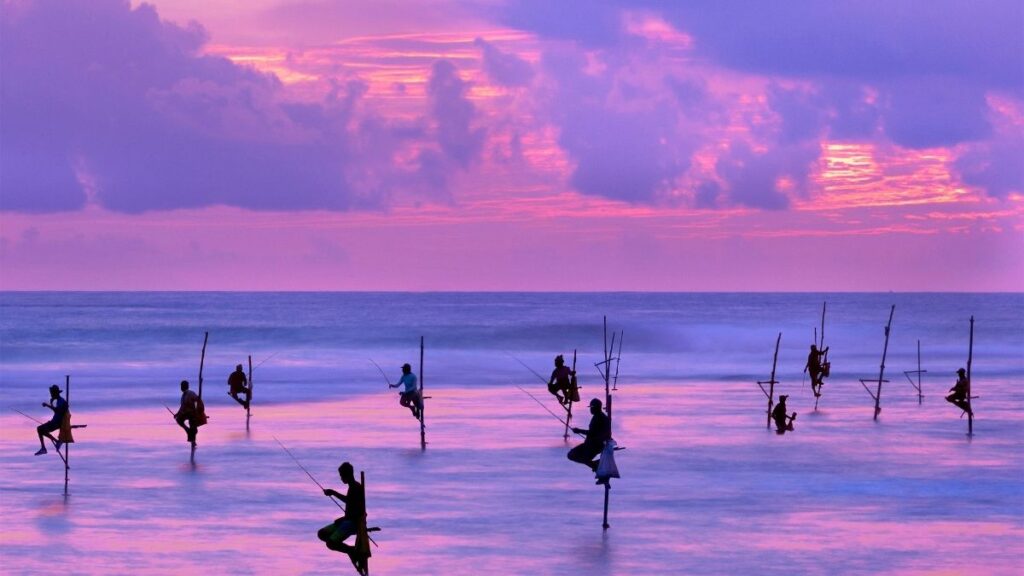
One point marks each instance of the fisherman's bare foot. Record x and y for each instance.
(41, 452)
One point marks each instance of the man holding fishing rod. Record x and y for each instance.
(593, 444)
(561, 381)
(335, 533)
(238, 384)
(60, 410)
(409, 397)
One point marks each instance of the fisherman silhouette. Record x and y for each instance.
(561, 381)
(783, 421)
(598, 433)
(239, 384)
(334, 534)
(816, 369)
(188, 410)
(60, 410)
(410, 396)
(959, 391)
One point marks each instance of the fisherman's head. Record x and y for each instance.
(595, 406)
(54, 391)
(782, 398)
(406, 368)
(346, 472)
(559, 361)
(238, 367)
(962, 372)
(184, 385)
(814, 348)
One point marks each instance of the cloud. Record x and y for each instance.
(995, 166)
(453, 114)
(623, 138)
(503, 68)
(107, 103)
(915, 73)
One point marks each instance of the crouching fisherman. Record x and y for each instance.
(959, 391)
(190, 410)
(783, 421)
(61, 421)
(594, 442)
(353, 523)
(560, 384)
(409, 396)
(238, 384)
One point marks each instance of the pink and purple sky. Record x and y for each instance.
(512, 145)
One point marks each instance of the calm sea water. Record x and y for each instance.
(705, 488)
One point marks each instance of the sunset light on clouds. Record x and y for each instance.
(512, 145)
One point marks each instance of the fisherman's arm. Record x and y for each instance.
(334, 493)
(581, 430)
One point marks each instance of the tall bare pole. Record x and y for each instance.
(423, 402)
(568, 410)
(248, 402)
(770, 393)
(970, 358)
(67, 445)
(202, 359)
(608, 403)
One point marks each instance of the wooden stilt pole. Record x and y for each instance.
(568, 409)
(970, 358)
(881, 369)
(608, 405)
(67, 445)
(423, 403)
(918, 372)
(248, 402)
(202, 360)
(770, 393)
(920, 395)
(365, 550)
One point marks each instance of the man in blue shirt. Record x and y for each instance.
(410, 395)
(60, 409)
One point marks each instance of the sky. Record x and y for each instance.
(738, 145)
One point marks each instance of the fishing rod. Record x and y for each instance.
(525, 365)
(299, 464)
(267, 358)
(535, 399)
(37, 420)
(381, 370)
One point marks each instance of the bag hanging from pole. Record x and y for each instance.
(64, 435)
(606, 467)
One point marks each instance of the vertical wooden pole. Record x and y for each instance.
(920, 393)
(248, 402)
(568, 412)
(771, 382)
(608, 404)
(67, 445)
(970, 358)
(202, 359)
(366, 527)
(423, 402)
(881, 370)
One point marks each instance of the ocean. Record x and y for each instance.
(705, 488)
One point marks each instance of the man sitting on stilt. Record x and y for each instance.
(334, 534)
(238, 384)
(783, 421)
(410, 396)
(188, 410)
(561, 381)
(598, 433)
(958, 397)
(60, 410)
(815, 368)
